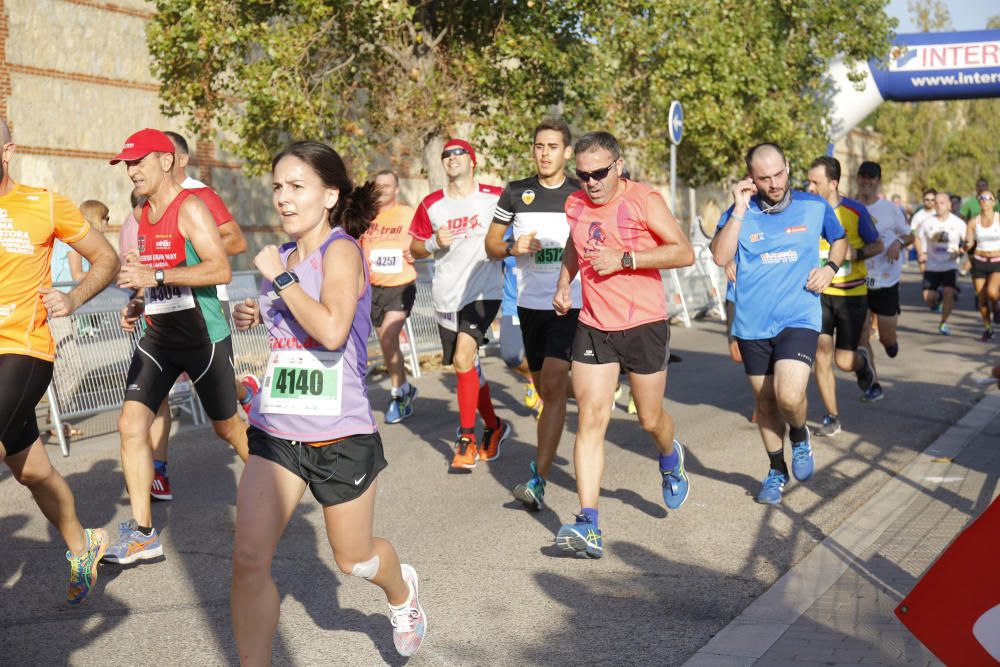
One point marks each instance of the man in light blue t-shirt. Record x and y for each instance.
(774, 235)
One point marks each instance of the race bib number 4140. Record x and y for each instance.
(303, 382)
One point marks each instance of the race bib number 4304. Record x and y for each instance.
(303, 382)
(168, 299)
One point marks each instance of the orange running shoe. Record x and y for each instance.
(492, 439)
(466, 454)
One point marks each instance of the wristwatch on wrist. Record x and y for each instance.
(509, 250)
(284, 280)
(628, 262)
(158, 275)
(834, 266)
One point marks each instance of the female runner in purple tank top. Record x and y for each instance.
(311, 424)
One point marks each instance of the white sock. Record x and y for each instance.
(400, 391)
(408, 602)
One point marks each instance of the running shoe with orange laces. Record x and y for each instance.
(492, 439)
(466, 454)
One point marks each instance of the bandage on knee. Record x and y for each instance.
(366, 570)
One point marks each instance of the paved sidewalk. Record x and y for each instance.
(836, 606)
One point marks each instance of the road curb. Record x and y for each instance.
(747, 637)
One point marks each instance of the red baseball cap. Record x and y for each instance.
(462, 143)
(144, 142)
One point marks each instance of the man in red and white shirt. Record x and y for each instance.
(467, 288)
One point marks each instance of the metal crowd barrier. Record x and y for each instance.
(93, 353)
(92, 358)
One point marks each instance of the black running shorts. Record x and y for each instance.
(759, 356)
(335, 473)
(885, 301)
(643, 350)
(24, 380)
(155, 369)
(982, 267)
(845, 316)
(398, 298)
(474, 319)
(937, 279)
(547, 335)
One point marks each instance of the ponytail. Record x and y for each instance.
(355, 210)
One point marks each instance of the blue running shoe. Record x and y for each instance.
(133, 545)
(582, 538)
(675, 482)
(774, 484)
(830, 427)
(802, 459)
(531, 493)
(873, 394)
(400, 407)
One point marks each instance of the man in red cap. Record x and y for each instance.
(234, 243)
(451, 225)
(179, 262)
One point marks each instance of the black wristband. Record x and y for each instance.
(834, 266)
(859, 254)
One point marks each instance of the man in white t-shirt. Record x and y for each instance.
(928, 211)
(941, 238)
(467, 288)
(884, 269)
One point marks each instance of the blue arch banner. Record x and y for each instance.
(920, 67)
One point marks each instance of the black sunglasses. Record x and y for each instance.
(597, 174)
(985, 198)
(453, 151)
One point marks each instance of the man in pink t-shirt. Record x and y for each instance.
(621, 235)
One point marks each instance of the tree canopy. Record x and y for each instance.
(392, 78)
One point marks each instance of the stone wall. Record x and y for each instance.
(75, 81)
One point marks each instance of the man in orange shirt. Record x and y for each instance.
(394, 287)
(30, 220)
(621, 235)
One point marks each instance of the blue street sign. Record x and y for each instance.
(676, 122)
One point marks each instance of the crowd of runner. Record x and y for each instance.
(573, 267)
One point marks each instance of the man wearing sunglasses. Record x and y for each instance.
(467, 288)
(535, 208)
(621, 235)
(925, 213)
(775, 236)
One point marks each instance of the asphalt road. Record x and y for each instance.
(495, 588)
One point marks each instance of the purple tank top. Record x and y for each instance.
(309, 393)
